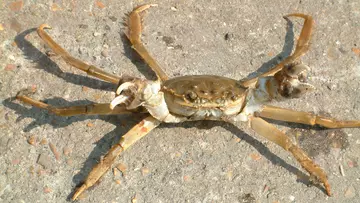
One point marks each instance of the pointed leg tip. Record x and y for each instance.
(78, 192)
(327, 188)
(300, 15)
(44, 26)
(142, 8)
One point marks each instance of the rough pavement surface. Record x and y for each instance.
(43, 157)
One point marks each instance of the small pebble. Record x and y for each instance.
(178, 154)
(10, 67)
(134, 200)
(16, 6)
(96, 34)
(43, 141)
(66, 151)
(229, 175)
(47, 190)
(44, 161)
(189, 161)
(69, 162)
(15, 161)
(41, 172)
(255, 156)
(121, 167)
(266, 188)
(186, 178)
(100, 4)
(115, 171)
(11, 57)
(32, 140)
(356, 51)
(105, 53)
(145, 171)
(82, 50)
(90, 125)
(83, 26)
(341, 170)
(352, 163)
(228, 36)
(33, 88)
(76, 172)
(55, 7)
(54, 151)
(97, 96)
(32, 170)
(113, 18)
(291, 198)
(350, 192)
(84, 88)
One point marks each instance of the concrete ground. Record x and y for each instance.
(43, 156)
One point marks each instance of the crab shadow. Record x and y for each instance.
(286, 51)
(42, 61)
(42, 117)
(136, 59)
(258, 145)
(149, 74)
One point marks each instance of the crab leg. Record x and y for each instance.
(289, 115)
(302, 47)
(89, 69)
(134, 36)
(270, 132)
(135, 134)
(90, 109)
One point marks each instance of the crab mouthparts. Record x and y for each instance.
(121, 98)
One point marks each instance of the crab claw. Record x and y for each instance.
(118, 100)
(128, 97)
(124, 86)
(138, 92)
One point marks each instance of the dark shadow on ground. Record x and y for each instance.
(136, 59)
(45, 63)
(42, 117)
(286, 51)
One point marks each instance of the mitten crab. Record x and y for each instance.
(199, 97)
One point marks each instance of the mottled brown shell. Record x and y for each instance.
(186, 94)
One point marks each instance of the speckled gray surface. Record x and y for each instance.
(190, 162)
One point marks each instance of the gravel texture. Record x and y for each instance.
(43, 156)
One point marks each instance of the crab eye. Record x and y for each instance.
(190, 95)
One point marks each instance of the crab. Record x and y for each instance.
(199, 97)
